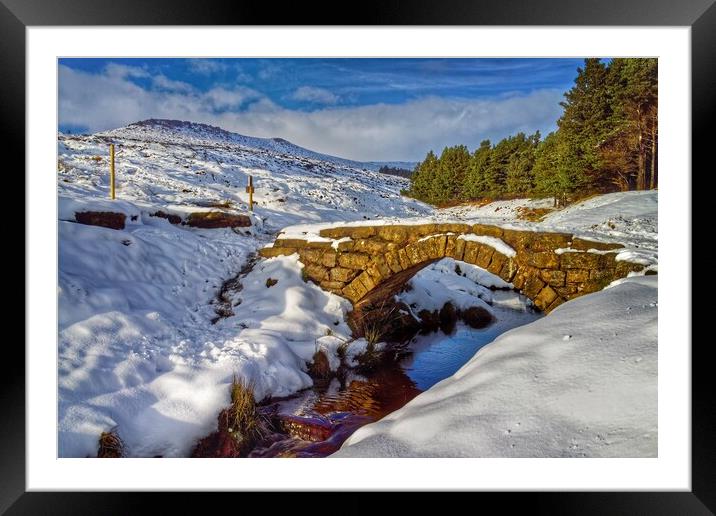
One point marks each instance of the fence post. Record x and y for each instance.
(250, 191)
(111, 170)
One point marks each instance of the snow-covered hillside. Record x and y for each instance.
(194, 165)
(137, 347)
(139, 350)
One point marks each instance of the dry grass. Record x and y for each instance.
(373, 333)
(532, 214)
(110, 446)
(243, 417)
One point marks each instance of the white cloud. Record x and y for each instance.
(165, 83)
(375, 132)
(121, 71)
(313, 94)
(206, 66)
(222, 98)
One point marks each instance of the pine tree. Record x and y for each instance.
(520, 178)
(422, 178)
(451, 171)
(585, 122)
(475, 184)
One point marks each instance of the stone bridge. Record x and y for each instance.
(367, 263)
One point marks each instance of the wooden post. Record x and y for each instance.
(250, 191)
(111, 170)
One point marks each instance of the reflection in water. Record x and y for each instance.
(317, 421)
(438, 356)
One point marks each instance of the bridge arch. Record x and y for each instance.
(367, 262)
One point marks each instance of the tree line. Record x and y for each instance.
(395, 171)
(606, 140)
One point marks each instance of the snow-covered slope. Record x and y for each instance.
(177, 130)
(137, 348)
(581, 382)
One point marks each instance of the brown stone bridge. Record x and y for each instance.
(364, 263)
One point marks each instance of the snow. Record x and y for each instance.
(493, 242)
(137, 349)
(438, 284)
(534, 393)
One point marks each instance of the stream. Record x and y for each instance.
(317, 421)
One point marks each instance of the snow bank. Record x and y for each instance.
(137, 350)
(581, 382)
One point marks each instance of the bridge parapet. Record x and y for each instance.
(361, 263)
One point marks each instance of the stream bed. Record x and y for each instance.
(316, 421)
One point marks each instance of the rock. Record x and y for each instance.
(342, 274)
(363, 245)
(429, 321)
(487, 230)
(366, 280)
(545, 298)
(270, 252)
(542, 260)
(476, 317)
(217, 219)
(497, 262)
(448, 318)
(270, 282)
(484, 256)
(314, 428)
(105, 219)
(173, 219)
(585, 245)
(315, 272)
(353, 260)
(471, 250)
(329, 258)
(291, 242)
(577, 275)
(320, 367)
(397, 234)
(334, 286)
(579, 260)
(554, 278)
(393, 261)
(347, 231)
(532, 287)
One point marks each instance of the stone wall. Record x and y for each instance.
(375, 261)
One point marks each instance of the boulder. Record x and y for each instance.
(105, 219)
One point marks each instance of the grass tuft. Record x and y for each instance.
(243, 417)
(110, 446)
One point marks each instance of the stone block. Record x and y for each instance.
(270, 252)
(577, 275)
(541, 259)
(487, 230)
(342, 274)
(484, 256)
(353, 260)
(555, 278)
(585, 245)
(579, 261)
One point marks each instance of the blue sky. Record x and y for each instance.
(367, 109)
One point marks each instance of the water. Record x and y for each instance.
(438, 356)
(340, 407)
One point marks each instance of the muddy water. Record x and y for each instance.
(317, 421)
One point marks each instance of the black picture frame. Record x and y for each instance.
(700, 15)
